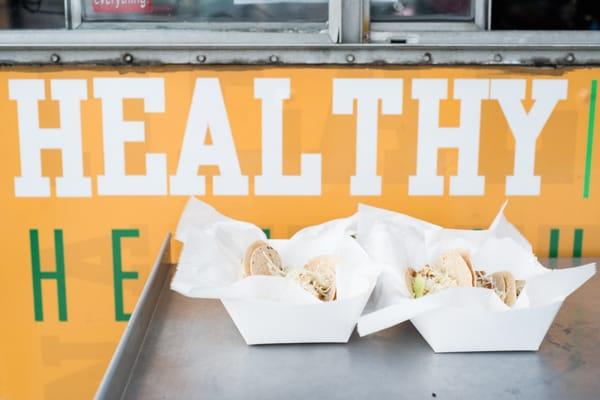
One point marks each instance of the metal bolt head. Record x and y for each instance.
(427, 57)
(55, 58)
(498, 57)
(128, 58)
(201, 58)
(570, 58)
(274, 58)
(350, 58)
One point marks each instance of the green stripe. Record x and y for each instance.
(590, 141)
(267, 232)
(577, 243)
(554, 235)
(38, 274)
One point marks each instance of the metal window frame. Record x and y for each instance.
(400, 31)
(342, 43)
(220, 32)
(348, 22)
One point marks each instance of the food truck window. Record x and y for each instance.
(421, 10)
(413, 21)
(32, 14)
(393, 20)
(217, 11)
(382, 15)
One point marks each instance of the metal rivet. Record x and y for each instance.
(497, 57)
(427, 57)
(201, 58)
(128, 58)
(350, 58)
(274, 58)
(570, 58)
(55, 58)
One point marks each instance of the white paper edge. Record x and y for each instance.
(395, 314)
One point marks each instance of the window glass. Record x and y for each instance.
(206, 10)
(421, 10)
(546, 14)
(32, 14)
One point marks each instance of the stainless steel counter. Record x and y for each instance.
(192, 350)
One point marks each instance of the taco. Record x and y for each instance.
(451, 269)
(317, 276)
(262, 259)
(503, 283)
(454, 269)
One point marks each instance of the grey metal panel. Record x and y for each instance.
(189, 47)
(118, 372)
(381, 30)
(352, 18)
(482, 13)
(193, 350)
(334, 27)
(202, 28)
(72, 14)
(185, 38)
(208, 55)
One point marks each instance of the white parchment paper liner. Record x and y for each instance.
(269, 309)
(461, 319)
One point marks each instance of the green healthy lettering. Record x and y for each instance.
(577, 243)
(554, 238)
(38, 274)
(118, 274)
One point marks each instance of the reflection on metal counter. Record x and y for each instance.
(191, 349)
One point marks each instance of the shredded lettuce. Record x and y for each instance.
(418, 286)
(430, 280)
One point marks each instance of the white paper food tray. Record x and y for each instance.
(269, 309)
(462, 319)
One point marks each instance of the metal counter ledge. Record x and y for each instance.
(176, 347)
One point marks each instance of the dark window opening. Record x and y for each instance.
(546, 14)
(32, 14)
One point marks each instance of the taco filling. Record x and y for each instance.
(317, 276)
(454, 269)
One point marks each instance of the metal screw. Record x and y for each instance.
(350, 58)
(274, 59)
(201, 58)
(570, 58)
(498, 57)
(55, 58)
(128, 58)
(427, 57)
